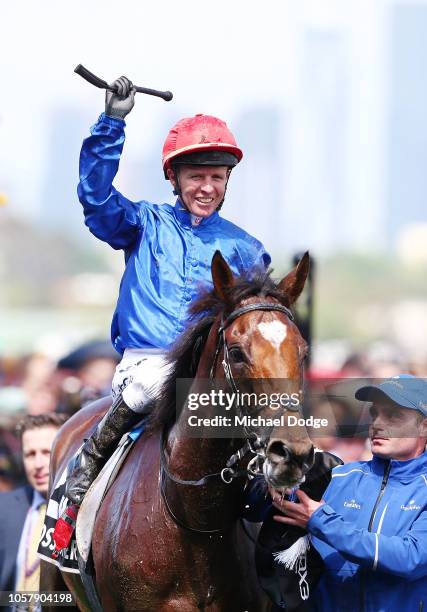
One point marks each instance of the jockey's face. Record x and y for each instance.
(202, 187)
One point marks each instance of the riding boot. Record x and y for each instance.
(99, 448)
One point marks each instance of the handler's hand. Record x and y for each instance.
(295, 514)
(121, 103)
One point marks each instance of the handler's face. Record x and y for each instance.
(396, 433)
(202, 187)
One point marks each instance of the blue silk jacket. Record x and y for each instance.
(372, 536)
(168, 259)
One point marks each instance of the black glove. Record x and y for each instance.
(121, 103)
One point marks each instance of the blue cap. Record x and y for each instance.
(405, 390)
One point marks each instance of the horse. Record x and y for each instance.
(167, 536)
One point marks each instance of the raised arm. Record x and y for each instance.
(108, 214)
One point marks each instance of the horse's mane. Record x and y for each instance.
(185, 354)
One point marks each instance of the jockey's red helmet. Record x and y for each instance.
(201, 140)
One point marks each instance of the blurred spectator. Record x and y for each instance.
(22, 510)
(41, 395)
(356, 365)
(418, 367)
(322, 407)
(385, 360)
(12, 408)
(82, 376)
(352, 449)
(38, 369)
(33, 375)
(345, 433)
(41, 400)
(86, 373)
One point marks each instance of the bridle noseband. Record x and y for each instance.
(253, 445)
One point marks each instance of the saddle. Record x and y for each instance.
(79, 545)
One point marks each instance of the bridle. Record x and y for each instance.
(254, 444)
(222, 342)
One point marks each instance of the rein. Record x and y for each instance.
(254, 444)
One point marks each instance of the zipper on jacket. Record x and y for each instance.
(371, 521)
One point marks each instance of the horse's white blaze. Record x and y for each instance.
(274, 332)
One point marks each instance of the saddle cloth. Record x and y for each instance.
(67, 560)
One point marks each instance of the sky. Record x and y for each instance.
(213, 59)
(323, 66)
(311, 88)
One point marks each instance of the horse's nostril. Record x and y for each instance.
(278, 448)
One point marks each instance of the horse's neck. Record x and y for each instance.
(194, 455)
(209, 506)
(192, 458)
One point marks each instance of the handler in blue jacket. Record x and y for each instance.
(371, 527)
(168, 253)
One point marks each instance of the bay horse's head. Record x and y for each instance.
(244, 337)
(257, 346)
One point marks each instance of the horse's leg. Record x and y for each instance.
(52, 579)
(75, 585)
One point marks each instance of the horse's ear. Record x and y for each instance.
(222, 276)
(293, 283)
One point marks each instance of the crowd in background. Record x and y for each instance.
(36, 384)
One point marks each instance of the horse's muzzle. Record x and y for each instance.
(283, 467)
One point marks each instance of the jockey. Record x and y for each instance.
(168, 252)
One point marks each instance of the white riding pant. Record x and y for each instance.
(139, 377)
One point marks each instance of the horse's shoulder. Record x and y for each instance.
(145, 453)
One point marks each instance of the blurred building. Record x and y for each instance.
(334, 161)
(316, 181)
(407, 129)
(59, 205)
(255, 198)
(140, 176)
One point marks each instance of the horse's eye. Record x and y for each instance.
(236, 355)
